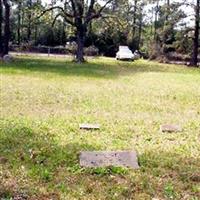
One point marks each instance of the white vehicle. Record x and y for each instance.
(124, 53)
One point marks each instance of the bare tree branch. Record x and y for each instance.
(98, 13)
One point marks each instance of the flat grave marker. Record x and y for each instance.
(109, 158)
(89, 126)
(3, 160)
(170, 128)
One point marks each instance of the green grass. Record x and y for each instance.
(44, 100)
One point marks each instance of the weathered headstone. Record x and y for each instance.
(89, 126)
(7, 58)
(170, 128)
(109, 158)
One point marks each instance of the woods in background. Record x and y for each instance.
(158, 28)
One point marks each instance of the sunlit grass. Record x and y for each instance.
(44, 100)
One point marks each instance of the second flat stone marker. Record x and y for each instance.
(170, 128)
(89, 126)
(109, 158)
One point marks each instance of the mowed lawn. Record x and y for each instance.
(43, 101)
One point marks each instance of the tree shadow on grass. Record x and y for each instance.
(61, 67)
(35, 152)
(47, 163)
(96, 69)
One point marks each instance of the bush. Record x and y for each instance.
(91, 51)
(71, 47)
(88, 51)
(173, 56)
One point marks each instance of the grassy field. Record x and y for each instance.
(42, 102)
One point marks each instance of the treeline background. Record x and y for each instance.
(158, 28)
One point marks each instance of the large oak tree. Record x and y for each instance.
(79, 14)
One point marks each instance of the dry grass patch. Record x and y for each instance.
(43, 101)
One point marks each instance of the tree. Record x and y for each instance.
(1, 23)
(134, 17)
(6, 27)
(4, 34)
(19, 25)
(79, 14)
(19, 7)
(194, 59)
(29, 15)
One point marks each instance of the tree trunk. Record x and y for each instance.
(152, 21)
(194, 59)
(63, 38)
(19, 24)
(36, 33)
(156, 19)
(140, 29)
(81, 35)
(29, 32)
(6, 27)
(80, 46)
(1, 21)
(134, 18)
(168, 10)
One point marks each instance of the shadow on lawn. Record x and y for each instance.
(60, 67)
(47, 162)
(39, 154)
(99, 69)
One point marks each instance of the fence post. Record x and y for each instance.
(49, 51)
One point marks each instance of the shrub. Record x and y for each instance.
(71, 47)
(91, 51)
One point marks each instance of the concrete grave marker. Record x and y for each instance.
(109, 158)
(7, 58)
(170, 128)
(89, 126)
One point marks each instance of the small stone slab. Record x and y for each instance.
(3, 160)
(89, 126)
(170, 128)
(111, 158)
(7, 58)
